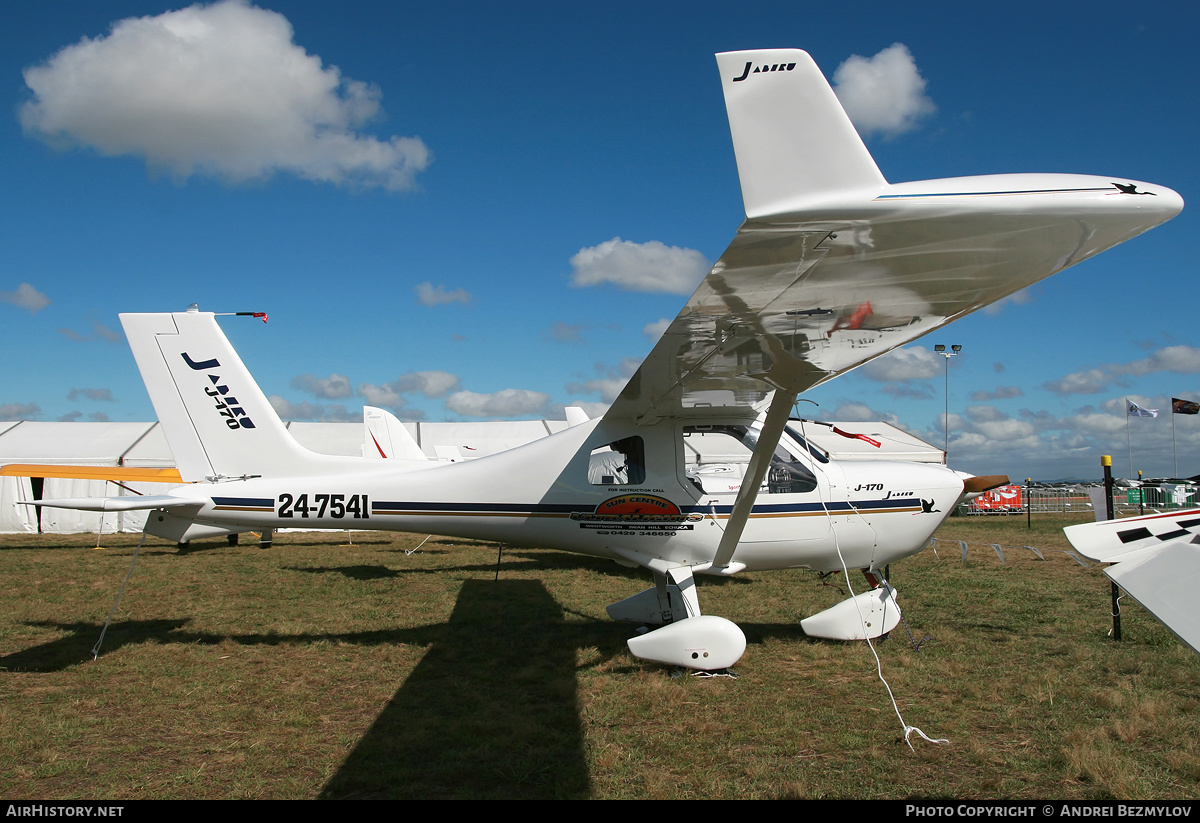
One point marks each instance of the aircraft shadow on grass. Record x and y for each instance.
(490, 711)
(514, 561)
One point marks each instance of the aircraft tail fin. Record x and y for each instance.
(386, 437)
(575, 415)
(791, 136)
(217, 420)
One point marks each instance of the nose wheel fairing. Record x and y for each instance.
(870, 614)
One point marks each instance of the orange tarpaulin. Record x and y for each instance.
(115, 473)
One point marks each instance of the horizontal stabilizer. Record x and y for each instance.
(115, 504)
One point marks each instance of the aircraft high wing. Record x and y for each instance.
(834, 266)
(698, 467)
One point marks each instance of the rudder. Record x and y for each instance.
(217, 420)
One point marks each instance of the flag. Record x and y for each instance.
(1184, 406)
(1137, 411)
(853, 436)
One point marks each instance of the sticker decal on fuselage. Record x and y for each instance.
(637, 513)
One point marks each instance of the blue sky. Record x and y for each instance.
(417, 221)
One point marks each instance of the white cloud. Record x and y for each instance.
(381, 396)
(565, 332)
(428, 383)
(912, 363)
(334, 386)
(218, 90)
(26, 297)
(19, 411)
(646, 267)
(1097, 424)
(505, 403)
(655, 330)
(610, 384)
(1020, 298)
(901, 391)
(1176, 359)
(1005, 430)
(431, 295)
(1088, 381)
(1001, 393)
(391, 395)
(99, 332)
(884, 93)
(90, 394)
(1179, 359)
(853, 413)
(319, 412)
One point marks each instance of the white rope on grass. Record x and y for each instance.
(419, 545)
(908, 730)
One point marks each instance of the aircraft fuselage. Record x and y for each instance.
(541, 494)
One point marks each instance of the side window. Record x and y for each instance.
(619, 463)
(717, 457)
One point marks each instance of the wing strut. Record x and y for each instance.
(760, 460)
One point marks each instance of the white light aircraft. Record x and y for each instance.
(697, 468)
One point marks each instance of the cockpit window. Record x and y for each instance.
(718, 455)
(813, 449)
(619, 463)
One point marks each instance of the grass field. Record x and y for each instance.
(317, 669)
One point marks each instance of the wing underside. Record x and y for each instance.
(846, 267)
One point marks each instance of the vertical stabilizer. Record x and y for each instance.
(575, 415)
(217, 421)
(386, 437)
(791, 136)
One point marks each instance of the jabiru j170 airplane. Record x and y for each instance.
(698, 467)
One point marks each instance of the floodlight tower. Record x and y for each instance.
(954, 350)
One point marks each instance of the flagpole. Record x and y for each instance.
(1128, 447)
(1174, 453)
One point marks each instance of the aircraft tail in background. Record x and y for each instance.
(384, 436)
